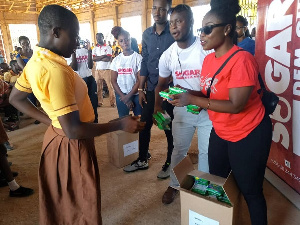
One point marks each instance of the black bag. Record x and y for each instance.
(268, 98)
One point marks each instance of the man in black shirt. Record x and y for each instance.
(156, 40)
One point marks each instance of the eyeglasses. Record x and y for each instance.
(161, 10)
(208, 29)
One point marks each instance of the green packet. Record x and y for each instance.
(215, 190)
(190, 108)
(176, 90)
(163, 120)
(200, 186)
(224, 199)
(165, 95)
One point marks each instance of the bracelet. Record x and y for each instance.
(208, 104)
(140, 89)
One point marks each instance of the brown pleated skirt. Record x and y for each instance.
(3, 135)
(69, 181)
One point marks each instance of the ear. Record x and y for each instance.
(56, 32)
(227, 29)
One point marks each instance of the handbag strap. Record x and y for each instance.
(219, 70)
(261, 82)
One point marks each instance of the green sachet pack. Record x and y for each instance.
(163, 120)
(215, 190)
(190, 108)
(224, 199)
(200, 186)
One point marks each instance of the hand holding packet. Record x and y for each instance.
(163, 120)
(174, 91)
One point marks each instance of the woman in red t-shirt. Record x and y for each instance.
(241, 136)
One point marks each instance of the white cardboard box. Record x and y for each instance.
(122, 148)
(203, 210)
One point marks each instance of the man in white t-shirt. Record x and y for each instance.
(183, 60)
(82, 63)
(102, 56)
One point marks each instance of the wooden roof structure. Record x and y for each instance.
(35, 6)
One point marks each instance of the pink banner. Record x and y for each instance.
(278, 54)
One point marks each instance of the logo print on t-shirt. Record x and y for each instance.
(187, 74)
(124, 71)
(205, 83)
(81, 59)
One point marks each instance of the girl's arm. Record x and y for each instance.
(70, 123)
(20, 62)
(114, 77)
(135, 87)
(20, 101)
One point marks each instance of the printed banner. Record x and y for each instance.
(278, 54)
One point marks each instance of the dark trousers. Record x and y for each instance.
(145, 134)
(247, 159)
(92, 92)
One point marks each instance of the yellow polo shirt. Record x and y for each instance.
(57, 87)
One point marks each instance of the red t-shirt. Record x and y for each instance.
(240, 71)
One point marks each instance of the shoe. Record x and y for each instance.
(169, 195)
(165, 171)
(21, 192)
(149, 156)
(136, 165)
(8, 146)
(37, 122)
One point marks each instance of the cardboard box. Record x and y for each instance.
(122, 148)
(199, 209)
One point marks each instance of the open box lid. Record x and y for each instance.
(185, 170)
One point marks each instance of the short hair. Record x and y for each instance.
(19, 48)
(183, 8)
(55, 16)
(100, 34)
(12, 62)
(226, 11)
(3, 65)
(244, 21)
(23, 38)
(116, 31)
(169, 2)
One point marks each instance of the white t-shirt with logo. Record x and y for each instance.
(82, 63)
(102, 50)
(126, 67)
(184, 64)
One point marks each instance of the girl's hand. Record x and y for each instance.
(125, 99)
(181, 100)
(130, 104)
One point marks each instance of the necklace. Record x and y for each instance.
(181, 72)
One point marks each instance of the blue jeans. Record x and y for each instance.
(123, 110)
(92, 92)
